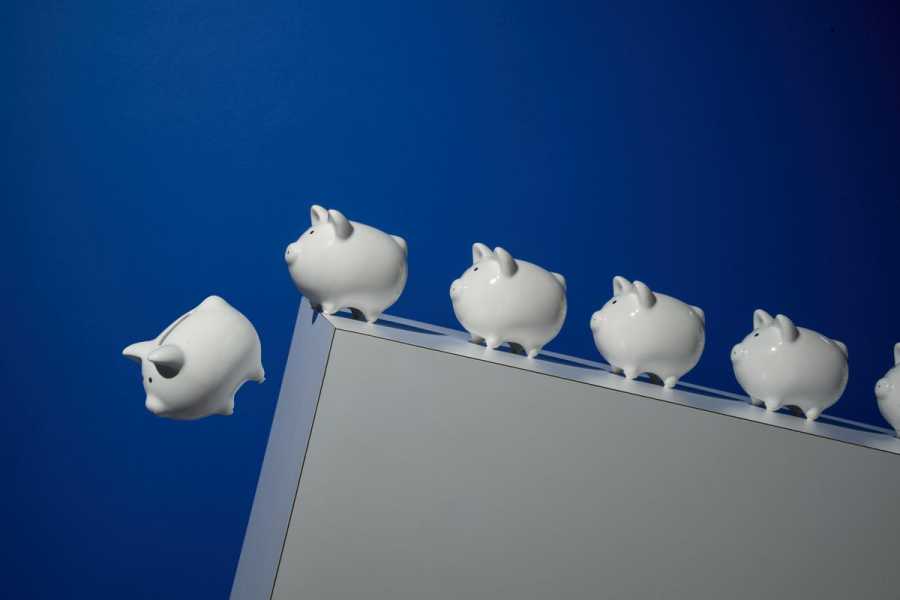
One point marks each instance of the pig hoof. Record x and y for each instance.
(492, 343)
(756, 402)
(329, 309)
(616, 370)
(476, 339)
(630, 373)
(533, 352)
(371, 317)
(670, 382)
(772, 405)
(813, 414)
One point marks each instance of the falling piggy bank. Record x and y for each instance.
(639, 331)
(887, 390)
(338, 264)
(502, 299)
(779, 364)
(195, 366)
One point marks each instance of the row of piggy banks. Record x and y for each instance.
(193, 368)
(338, 264)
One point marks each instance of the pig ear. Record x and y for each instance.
(761, 318)
(786, 328)
(508, 266)
(137, 351)
(842, 347)
(646, 298)
(897, 354)
(317, 215)
(479, 251)
(342, 226)
(402, 243)
(699, 312)
(560, 279)
(621, 285)
(213, 302)
(169, 360)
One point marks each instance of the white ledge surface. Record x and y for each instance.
(598, 374)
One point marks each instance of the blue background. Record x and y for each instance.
(734, 156)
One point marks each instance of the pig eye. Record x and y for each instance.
(149, 380)
(475, 269)
(312, 231)
(614, 301)
(756, 334)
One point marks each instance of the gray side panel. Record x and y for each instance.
(278, 479)
(437, 476)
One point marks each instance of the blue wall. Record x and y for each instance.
(737, 157)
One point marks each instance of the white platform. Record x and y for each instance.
(406, 462)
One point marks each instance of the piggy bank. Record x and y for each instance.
(639, 331)
(502, 299)
(338, 264)
(779, 364)
(887, 391)
(195, 366)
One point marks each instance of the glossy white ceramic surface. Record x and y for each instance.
(195, 366)
(502, 299)
(339, 264)
(887, 391)
(641, 331)
(779, 364)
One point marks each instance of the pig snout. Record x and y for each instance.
(290, 254)
(738, 352)
(455, 288)
(883, 387)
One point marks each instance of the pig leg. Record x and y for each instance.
(772, 404)
(616, 370)
(227, 408)
(670, 382)
(329, 308)
(756, 402)
(370, 315)
(365, 313)
(532, 352)
(813, 414)
(476, 339)
(258, 375)
(492, 342)
(631, 372)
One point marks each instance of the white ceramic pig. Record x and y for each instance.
(195, 366)
(779, 364)
(502, 299)
(639, 331)
(887, 390)
(338, 264)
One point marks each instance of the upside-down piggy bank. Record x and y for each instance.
(502, 299)
(338, 264)
(195, 366)
(639, 331)
(779, 364)
(887, 390)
